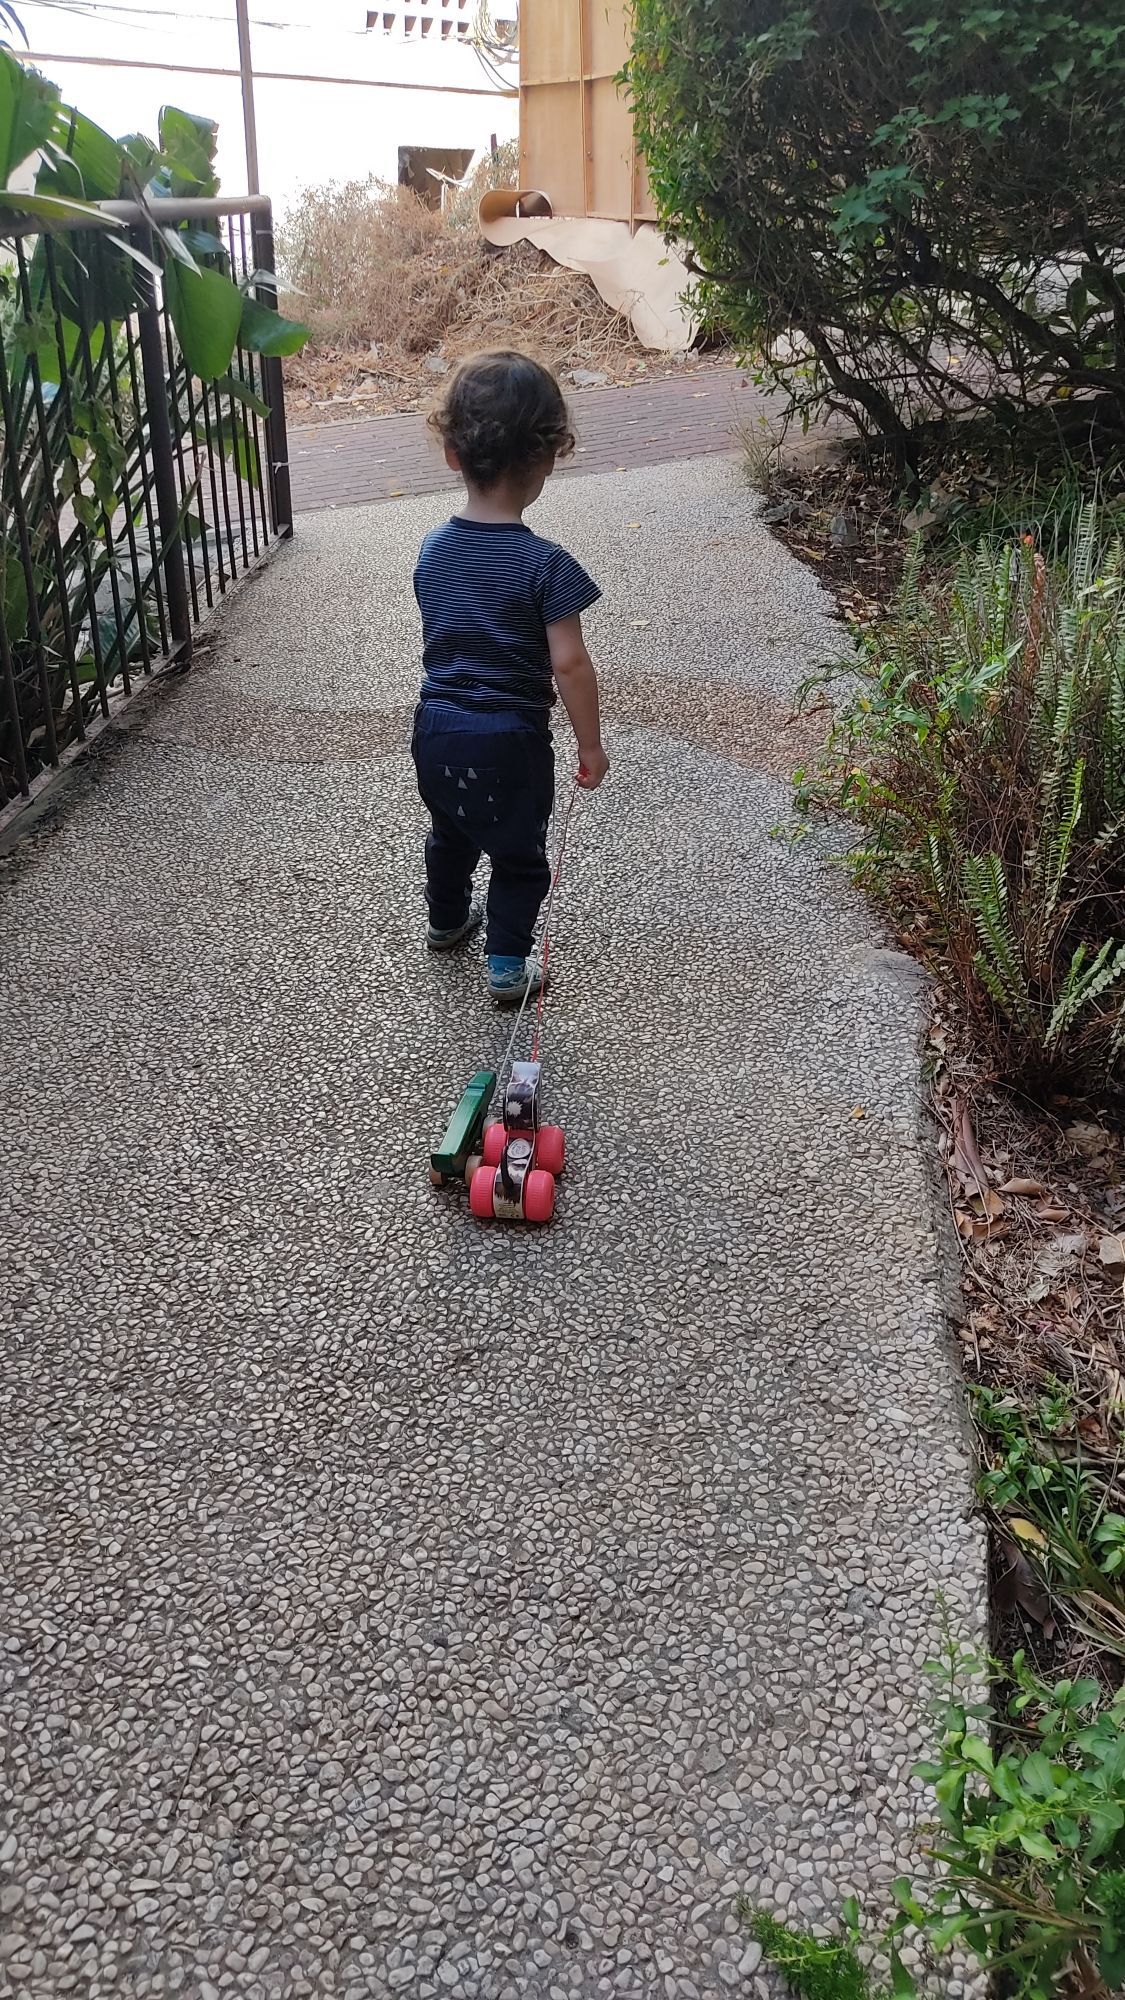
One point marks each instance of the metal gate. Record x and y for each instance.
(133, 496)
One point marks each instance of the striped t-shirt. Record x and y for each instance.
(487, 591)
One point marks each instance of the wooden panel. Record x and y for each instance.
(611, 145)
(607, 37)
(645, 206)
(551, 144)
(549, 44)
(576, 131)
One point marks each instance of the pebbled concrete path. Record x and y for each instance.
(390, 1605)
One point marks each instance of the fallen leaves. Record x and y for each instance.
(982, 1223)
(1019, 1584)
(1089, 1139)
(807, 496)
(980, 1212)
(1026, 1531)
(979, 1209)
(1057, 1251)
(967, 1164)
(1039, 1208)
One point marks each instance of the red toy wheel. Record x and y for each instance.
(480, 1193)
(539, 1196)
(492, 1151)
(550, 1149)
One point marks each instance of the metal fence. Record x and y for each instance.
(132, 496)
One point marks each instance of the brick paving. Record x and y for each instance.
(692, 415)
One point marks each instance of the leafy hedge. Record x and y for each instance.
(873, 186)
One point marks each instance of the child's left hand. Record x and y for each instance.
(593, 766)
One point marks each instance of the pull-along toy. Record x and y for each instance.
(511, 1166)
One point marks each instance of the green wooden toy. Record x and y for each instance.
(462, 1139)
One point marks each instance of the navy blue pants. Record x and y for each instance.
(488, 780)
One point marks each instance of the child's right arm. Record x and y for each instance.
(577, 684)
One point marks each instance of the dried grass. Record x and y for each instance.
(387, 283)
(370, 264)
(559, 314)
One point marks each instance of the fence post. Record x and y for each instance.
(163, 462)
(277, 436)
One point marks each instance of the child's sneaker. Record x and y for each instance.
(509, 979)
(449, 940)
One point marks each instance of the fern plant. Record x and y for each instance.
(981, 751)
(814, 1968)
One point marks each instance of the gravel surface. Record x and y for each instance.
(394, 1605)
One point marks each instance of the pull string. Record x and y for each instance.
(544, 950)
(545, 947)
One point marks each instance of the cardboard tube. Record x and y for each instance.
(499, 204)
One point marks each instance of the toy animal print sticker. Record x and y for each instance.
(521, 1099)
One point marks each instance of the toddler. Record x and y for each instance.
(502, 629)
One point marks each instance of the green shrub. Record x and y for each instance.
(981, 753)
(1047, 500)
(1028, 1854)
(891, 182)
(1031, 1850)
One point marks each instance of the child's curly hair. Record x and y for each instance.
(502, 413)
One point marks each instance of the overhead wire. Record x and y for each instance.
(151, 17)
